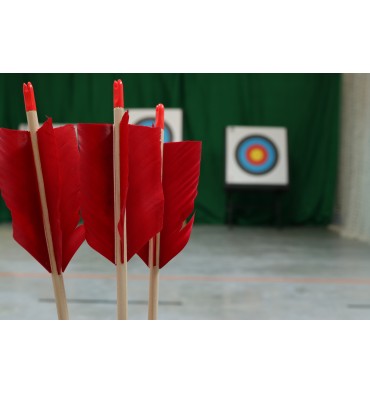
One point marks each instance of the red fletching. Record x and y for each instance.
(144, 207)
(18, 182)
(29, 97)
(181, 169)
(159, 116)
(61, 168)
(124, 144)
(97, 183)
(97, 192)
(140, 170)
(118, 94)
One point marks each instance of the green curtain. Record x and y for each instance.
(307, 104)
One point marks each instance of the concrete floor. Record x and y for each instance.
(243, 273)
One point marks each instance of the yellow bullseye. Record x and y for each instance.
(257, 155)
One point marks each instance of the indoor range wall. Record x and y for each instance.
(306, 104)
(352, 216)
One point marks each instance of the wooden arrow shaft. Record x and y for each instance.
(58, 282)
(154, 259)
(120, 258)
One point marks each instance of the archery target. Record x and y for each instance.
(256, 156)
(172, 121)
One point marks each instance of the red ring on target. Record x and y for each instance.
(256, 154)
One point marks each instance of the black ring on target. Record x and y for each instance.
(168, 135)
(267, 155)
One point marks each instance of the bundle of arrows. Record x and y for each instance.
(134, 194)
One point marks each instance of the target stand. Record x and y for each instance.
(256, 160)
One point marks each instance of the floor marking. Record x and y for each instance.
(114, 302)
(359, 306)
(189, 278)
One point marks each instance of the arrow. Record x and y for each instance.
(180, 171)
(120, 245)
(122, 197)
(42, 193)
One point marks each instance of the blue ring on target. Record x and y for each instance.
(149, 122)
(260, 168)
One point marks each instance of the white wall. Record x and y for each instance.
(353, 194)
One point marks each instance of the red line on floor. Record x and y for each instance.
(219, 279)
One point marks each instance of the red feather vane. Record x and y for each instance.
(141, 189)
(97, 195)
(18, 183)
(181, 170)
(144, 209)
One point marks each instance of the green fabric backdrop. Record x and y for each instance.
(307, 104)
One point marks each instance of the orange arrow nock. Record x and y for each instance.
(159, 116)
(29, 97)
(118, 94)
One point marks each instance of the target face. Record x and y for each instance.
(172, 125)
(168, 136)
(256, 155)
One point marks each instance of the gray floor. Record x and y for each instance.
(244, 273)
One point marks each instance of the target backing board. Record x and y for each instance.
(256, 156)
(172, 121)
